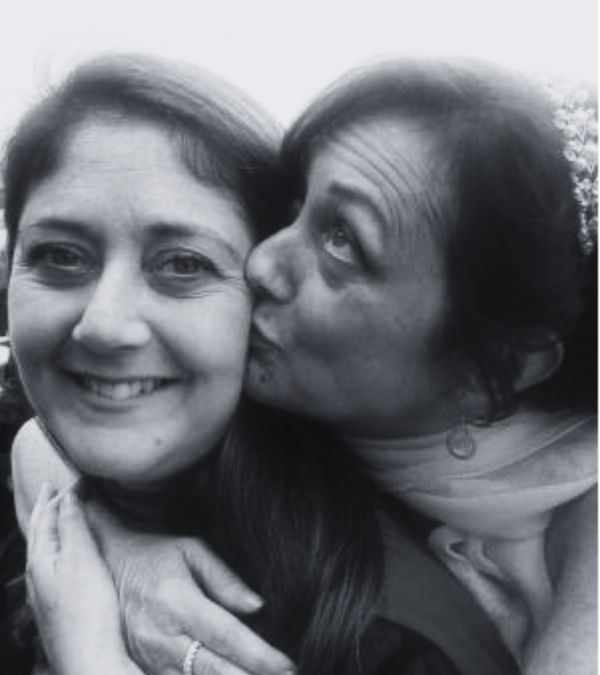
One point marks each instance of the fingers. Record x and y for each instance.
(217, 580)
(43, 547)
(203, 661)
(43, 538)
(225, 636)
(209, 663)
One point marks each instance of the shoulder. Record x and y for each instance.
(421, 596)
(34, 460)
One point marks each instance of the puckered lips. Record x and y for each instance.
(260, 341)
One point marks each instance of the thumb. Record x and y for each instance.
(219, 582)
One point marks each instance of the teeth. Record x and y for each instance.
(122, 390)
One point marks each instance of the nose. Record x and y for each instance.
(272, 268)
(112, 318)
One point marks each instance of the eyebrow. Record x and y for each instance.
(356, 195)
(158, 230)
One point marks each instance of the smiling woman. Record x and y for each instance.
(113, 248)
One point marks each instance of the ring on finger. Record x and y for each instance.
(190, 657)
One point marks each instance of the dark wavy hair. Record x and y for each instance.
(508, 225)
(294, 513)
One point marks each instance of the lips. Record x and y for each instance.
(259, 341)
(120, 389)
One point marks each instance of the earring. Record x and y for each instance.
(460, 442)
(4, 351)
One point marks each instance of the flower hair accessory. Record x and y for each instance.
(575, 116)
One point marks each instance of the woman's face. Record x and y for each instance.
(352, 296)
(128, 310)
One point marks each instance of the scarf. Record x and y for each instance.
(495, 506)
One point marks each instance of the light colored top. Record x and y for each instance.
(494, 506)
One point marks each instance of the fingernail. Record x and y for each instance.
(253, 601)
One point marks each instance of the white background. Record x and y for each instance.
(284, 52)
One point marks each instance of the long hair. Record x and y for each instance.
(298, 518)
(508, 225)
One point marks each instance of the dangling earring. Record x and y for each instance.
(460, 442)
(4, 355)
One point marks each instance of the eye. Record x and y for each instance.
(185, 265)
(175, 269)
(61, 260)
(338, 243)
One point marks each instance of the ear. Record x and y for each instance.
(539, 365)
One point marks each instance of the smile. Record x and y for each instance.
(121, 390)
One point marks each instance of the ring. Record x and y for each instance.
(190, 656)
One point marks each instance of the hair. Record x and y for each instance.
(508, 227)
(298, 518)
(199, 111)
(294, 514)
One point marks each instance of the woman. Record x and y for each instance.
(131, 192)
(433, 302)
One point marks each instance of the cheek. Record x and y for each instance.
(212, 337)
(39, 319)
(326, 325)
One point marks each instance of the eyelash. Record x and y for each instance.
(204, 264)
(337, 225)
(66, 263)
(47, 256)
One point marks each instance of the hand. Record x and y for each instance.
(569, 641)
(175, 590)
(71, 591)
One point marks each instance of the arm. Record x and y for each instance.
(171, 587)
(568, 643)
(71, 592)
(167, 587)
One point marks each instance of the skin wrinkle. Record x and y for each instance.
(398, 179)
(375, 322)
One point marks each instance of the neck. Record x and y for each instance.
(451, 409)
(152, 506)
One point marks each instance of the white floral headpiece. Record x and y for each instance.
(575, 116)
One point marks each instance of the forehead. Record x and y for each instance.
(394, 161)
(130, 172)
